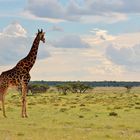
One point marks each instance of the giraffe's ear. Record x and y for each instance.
(41, 30)
(38, 30)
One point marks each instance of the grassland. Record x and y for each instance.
(103, 114)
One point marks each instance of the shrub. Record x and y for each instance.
(38, 88)
(35, 88)
(74, 87)
(128, 88)
(113, 114)
(63, 109)
(81, 116)
(79, 87)
(63, 88)
(137, 107)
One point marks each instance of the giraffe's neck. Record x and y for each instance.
(28, 62)
(34, 49)
(31, 57)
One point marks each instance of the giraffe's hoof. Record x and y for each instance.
(24, 116)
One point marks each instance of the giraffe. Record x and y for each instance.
(19, 75)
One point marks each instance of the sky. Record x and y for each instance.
(86, 40)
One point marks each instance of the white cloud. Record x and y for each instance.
(53, 8)
(124, 51)
(76, 64)
(28, 15)
(127, 39)
(121, 51)
(15, 44)
(108, 18)
(87, 11)
(55, 28)
(101, 36)
(14, 29)
(99, 39)
(70, 41)
(113, 6)
(127, 56)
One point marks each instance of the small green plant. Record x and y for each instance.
(20, 134)
(82, 105)
(137, 107)
(113, 114)
(84, 109)
(63, 109)
(81, 116)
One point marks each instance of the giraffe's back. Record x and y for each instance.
(13, 76)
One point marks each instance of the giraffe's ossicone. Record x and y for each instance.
(19, 75)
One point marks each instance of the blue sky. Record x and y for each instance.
(86, 39)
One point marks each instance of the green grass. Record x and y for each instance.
(74, 116)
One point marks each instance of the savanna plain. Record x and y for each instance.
(105, 113)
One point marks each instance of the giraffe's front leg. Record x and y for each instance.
(24, 93)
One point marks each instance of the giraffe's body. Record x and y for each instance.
(19, 75)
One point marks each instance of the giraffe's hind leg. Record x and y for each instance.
(24, 92)
(2, 99)
(24, 84)
(3, 106)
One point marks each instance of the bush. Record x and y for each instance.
(35, 88)
(38, 88)
(74, 87)
(63, 88)
(128, 88)
(79, 87)
(113, 114)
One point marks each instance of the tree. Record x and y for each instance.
(63, 88)
(74, 87)
(128, 88)
(38, 88)
(79, 87)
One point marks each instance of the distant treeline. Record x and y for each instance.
(91, 83)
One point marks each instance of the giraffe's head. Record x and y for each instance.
(41, 35)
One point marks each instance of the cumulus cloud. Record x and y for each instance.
(11, 49)
(122, 51)
(128, 56)
(55, 28)
(101, 35)
(47, 8)
(70, 41)
(99, 39)
(77, 64)
(15, 44)
(83, 11)
(14, 29)
(114, 6)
